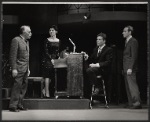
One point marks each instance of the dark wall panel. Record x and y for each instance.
(39, 18)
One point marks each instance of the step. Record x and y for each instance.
(52, 103)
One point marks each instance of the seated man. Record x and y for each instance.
(99, 62)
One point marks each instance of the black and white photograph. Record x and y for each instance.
(75, 60)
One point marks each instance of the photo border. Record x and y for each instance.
(77, 1)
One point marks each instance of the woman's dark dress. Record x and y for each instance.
(51, 51)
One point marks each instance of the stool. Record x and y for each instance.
(6, 92)
(37, 79)
(100, 79)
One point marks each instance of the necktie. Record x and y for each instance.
(99, 51)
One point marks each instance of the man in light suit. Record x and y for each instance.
(100, 63)
(130, 57)
(19, 62)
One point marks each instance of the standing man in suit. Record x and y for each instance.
(19, 62)
(130, 57)
(100, 63)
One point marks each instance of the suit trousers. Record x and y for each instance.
(132, 89)
(18, 90)
(92, 73)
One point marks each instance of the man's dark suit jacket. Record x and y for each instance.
(19, 54)
(130, 55)
(104, 58)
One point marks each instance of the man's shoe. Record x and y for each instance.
(136, 107)
(127, 106)
(13, 110)
(22, 108)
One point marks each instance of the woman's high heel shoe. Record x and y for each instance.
(44, 94)
(43, 91)
(47, 97)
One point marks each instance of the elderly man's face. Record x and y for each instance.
(27, 33)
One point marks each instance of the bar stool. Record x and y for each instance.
(100, 79)
(6, 92)
(37, 79)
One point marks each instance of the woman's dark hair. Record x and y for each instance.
(55, 27)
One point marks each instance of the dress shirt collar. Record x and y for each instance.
(100, 48)
(23, 38)
(128, 38)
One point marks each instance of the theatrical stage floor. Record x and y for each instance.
(97, 113)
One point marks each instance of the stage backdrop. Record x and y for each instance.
(83, 33)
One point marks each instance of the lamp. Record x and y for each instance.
(87, 16)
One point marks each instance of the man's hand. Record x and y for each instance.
(52, 61)
(94, 65)
(85, 55)
(28, 72)
(129, 71)
(14, 73)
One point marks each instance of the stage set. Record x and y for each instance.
(80, 23)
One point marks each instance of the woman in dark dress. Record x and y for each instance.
(51, 52)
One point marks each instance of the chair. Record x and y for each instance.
(101, 80)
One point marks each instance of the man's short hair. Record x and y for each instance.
(130, 28)
(102, 35)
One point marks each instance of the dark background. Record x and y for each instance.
(83, 33)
